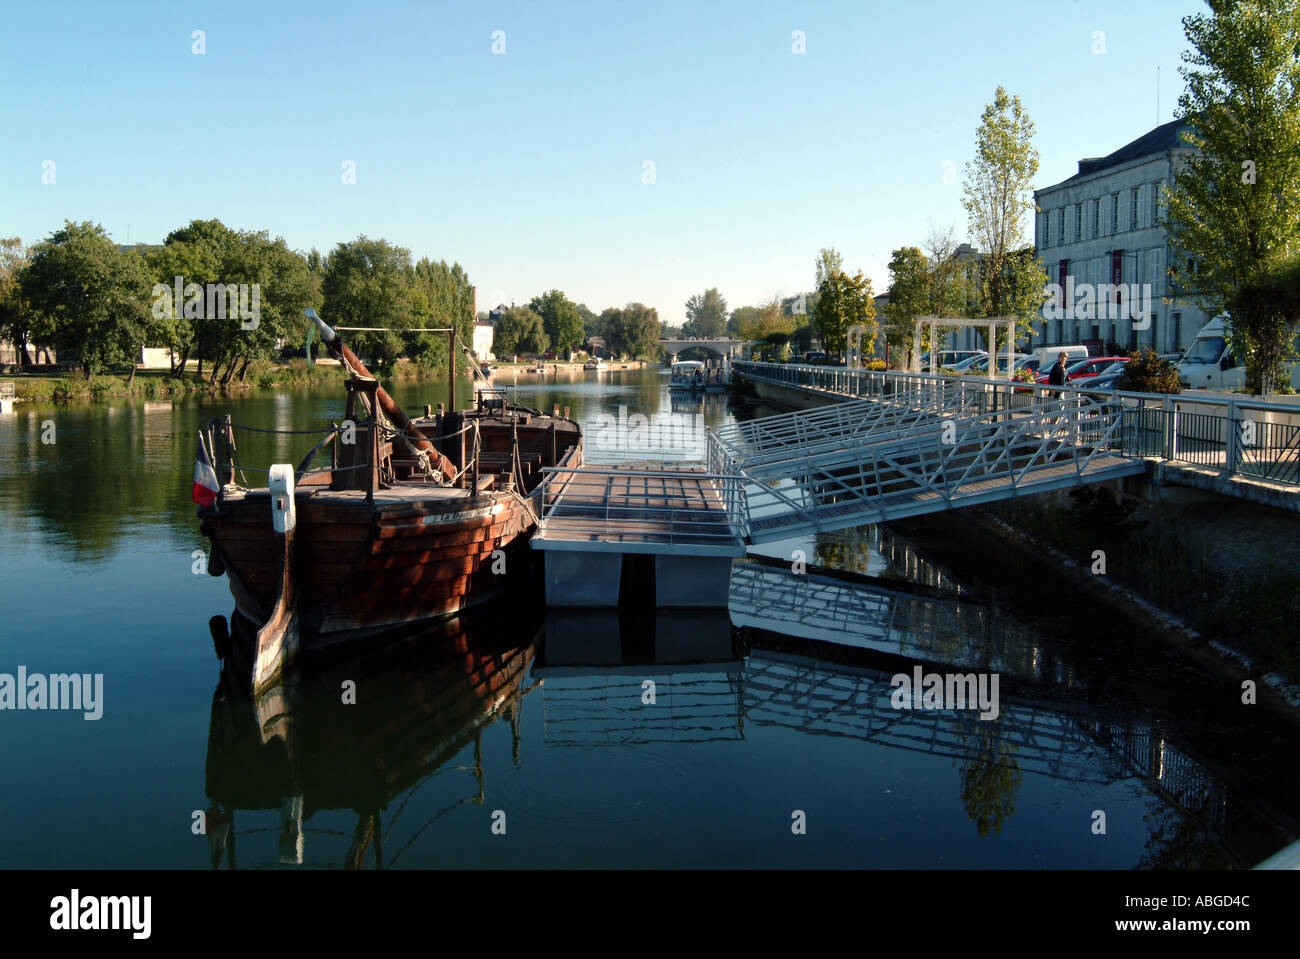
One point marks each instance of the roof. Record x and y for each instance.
(1162, 138)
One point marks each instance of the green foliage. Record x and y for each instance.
(520, 331)
(1232, 208)
(997, 196)
(844, 301)
(561, 320)
(1146, 372)
(633, 331)
(706, 315)
(990, 778)
(15, 318)
(372, 283)
(741, 319)
(442, 297)
(1263, 333)
(761, 322)
(87, 297)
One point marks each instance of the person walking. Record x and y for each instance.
(1057, 375)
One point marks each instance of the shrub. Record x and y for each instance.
(1148, 373)
(875, 366)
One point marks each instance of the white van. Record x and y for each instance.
(1048, 354)
(1209, 364)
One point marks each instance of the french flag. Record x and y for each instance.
(206, 486)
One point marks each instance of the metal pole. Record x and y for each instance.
(451, 370)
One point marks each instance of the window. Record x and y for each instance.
(1078, 221)
(1096, 217)
(1114, 213)
(1060, 226)
(1133, 211)
(1155, 204)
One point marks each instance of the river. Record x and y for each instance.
(763, 736)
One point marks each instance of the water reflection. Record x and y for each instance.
(361, 733)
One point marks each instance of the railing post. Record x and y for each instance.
(1170, 429)
(1233, 437)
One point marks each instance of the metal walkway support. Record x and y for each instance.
(821, 470)
(690, 520)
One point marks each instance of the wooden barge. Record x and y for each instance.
(411, 520)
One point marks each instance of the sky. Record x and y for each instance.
(617, 151)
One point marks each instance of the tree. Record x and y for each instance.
(561, 319)
(760, 322)
(632, 331)
(910, 296)
(844, 301)
(87, 297)
(742, 318)
(370, 283)
(828, 262)
(1233, 209)
(520, 330)
(15, 319)
(1264, 327)
(706, 315)
(442, 297)
(997, 195)
(590, 322)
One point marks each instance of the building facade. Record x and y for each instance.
(483, 341)
(1099, 235)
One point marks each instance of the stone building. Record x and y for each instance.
(1099, 235)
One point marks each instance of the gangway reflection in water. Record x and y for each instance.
(821, 653)
(662, 676)
(419, 701)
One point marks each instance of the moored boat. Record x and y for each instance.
(687, 375)
(407, 520)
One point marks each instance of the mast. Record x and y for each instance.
(403, 422)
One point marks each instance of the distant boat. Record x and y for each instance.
(595, 363)
(687, 375)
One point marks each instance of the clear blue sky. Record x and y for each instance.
(527, 167)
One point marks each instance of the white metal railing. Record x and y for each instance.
(796, 486)
(1239, 437)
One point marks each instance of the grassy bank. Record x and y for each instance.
(50, 388)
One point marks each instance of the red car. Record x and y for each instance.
(1083, 369)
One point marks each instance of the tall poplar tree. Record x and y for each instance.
(1234, 207)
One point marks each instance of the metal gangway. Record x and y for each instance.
(915, 451)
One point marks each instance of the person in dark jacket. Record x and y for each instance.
(1057, 376)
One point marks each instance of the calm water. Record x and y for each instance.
(543, 724)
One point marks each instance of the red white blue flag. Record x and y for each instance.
(206, 486)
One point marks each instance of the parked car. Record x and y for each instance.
(967, 363)
(950, 358)
(1083, 369)
(981, 364)
(1105, 382)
